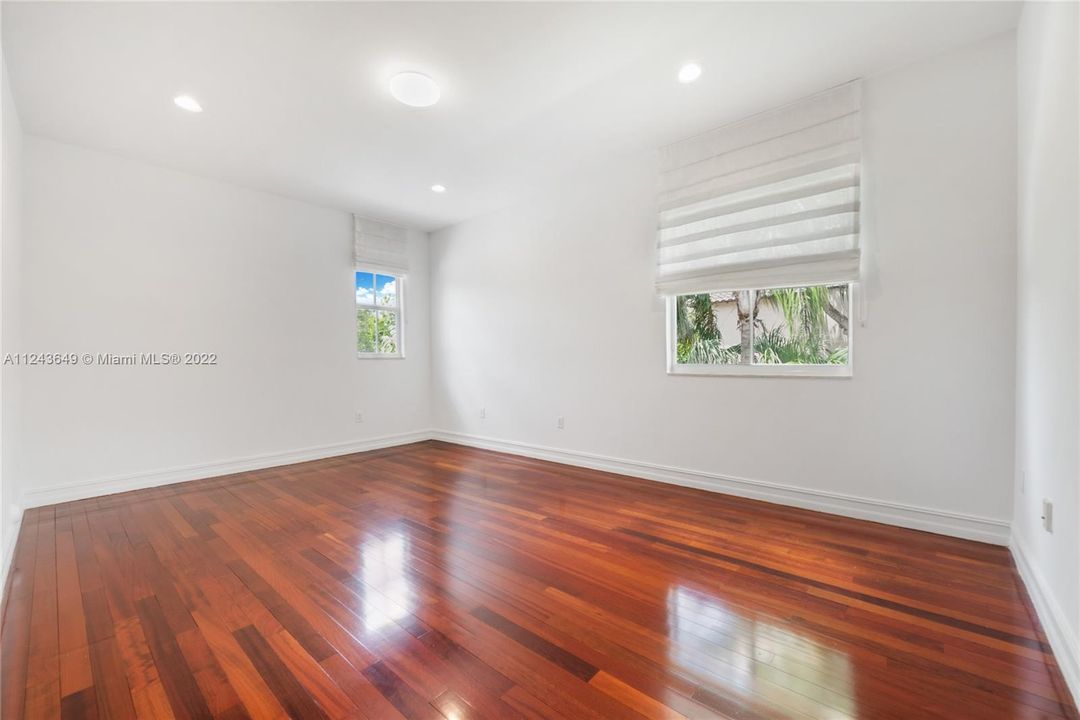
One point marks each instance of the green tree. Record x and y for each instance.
(698, 340)
(805, 337)
(375, 331)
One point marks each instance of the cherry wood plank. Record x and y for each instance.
(437, 581)
(555, 654)
(15, 629)
(185, 697)
(286, 688)
(43, 669)
(409, 702)
(80, 705)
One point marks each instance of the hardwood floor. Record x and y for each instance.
(435, 581)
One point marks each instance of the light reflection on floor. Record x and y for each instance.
(387, 595)
(755, 662)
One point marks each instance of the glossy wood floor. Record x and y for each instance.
(433, 581)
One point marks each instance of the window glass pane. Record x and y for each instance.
(365, 288)
(365, 330)
(711, 328)
(386, 289)
(802, 326)
(387, 332)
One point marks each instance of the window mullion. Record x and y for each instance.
(753, 322)
(399, 285)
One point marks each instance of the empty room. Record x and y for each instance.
(540, 360)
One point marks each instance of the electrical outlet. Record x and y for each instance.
(359, 416)
(1048, 516)
(559, 423)
(483, 413)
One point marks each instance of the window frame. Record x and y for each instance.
(762, 369)
(398, 309)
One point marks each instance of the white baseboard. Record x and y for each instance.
(122, 483)
(943, 522)
(920, 518)
(892, 513)
(1059, 631)
(11, 535)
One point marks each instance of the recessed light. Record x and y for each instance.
(186, 102)
(414, 89)
(689, 72)
(438, 188)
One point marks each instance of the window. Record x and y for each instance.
(758, 248)
(776, 331)
(378, 315)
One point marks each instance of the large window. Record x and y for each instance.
(794, 330)
(379, 316)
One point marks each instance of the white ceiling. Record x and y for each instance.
(296, 101)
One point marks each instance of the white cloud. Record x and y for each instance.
(365, 296)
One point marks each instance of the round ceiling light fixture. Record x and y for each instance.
(186, 102)
(414, 89)
(689, 72)
(438, 188)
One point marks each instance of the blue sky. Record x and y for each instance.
(385, 285)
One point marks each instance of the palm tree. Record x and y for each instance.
(805, 337)
(698, 340)
(746, 307)
(808, 338)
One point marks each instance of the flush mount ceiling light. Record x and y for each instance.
(689, 72)
(414, 89)
(438, 188)
(186, 102)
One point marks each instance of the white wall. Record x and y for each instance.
(1048, 353)
(10, 322)
(547, 309)
(126, 257)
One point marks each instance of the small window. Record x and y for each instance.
(379, 316)
(776, 331)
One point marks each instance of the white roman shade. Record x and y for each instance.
(380, 246)
(769, 201)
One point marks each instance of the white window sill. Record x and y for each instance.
(380, 356)
(805, 371)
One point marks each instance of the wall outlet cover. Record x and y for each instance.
(1048, 516)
